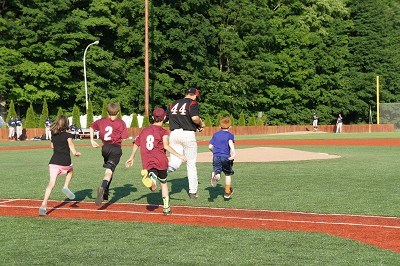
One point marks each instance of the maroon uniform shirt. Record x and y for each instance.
(111, 131)
(180, 114)
(152, 151)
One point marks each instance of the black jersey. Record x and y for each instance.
(61, 151)
(180, 114)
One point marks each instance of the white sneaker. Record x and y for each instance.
(68, 193)
(213, 179)
(42, 211)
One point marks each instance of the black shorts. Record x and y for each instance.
(161, 174)
(111, 154)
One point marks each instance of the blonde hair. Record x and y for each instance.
(112, 109)
(60, 125)
(225, 123)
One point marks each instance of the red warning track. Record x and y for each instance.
(379, 231)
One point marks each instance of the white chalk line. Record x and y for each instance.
(222, 208)
(216, 217)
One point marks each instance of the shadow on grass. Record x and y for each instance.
(215, 192)
(154, 198)
(118, 193)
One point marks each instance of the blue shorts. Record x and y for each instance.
(222, 164)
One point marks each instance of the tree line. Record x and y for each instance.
(284, 58)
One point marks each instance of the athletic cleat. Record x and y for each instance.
(167, 211)
(213, 179)
(105, 196)
(193, 195)
(100, 194)
(68, 193)
(228, 195)
(42, 211)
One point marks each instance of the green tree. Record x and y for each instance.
(30, 120)
(60, 111)
(11, 111)
(207, 121)
(252, 121)
(120, 111)
(76, 116)
(104, 113)
(89, 118)
(146, 121)
(45, 113)
(135, 122)
(241, 120)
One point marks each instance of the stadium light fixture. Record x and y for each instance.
(84, 74)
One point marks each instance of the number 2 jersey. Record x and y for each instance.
(180, 114)
(111, 131)
(150, 141)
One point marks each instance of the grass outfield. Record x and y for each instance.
(364, 180)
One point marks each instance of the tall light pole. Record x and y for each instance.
(84, 74)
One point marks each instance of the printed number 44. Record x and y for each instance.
(182, 110)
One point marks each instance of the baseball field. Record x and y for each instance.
(300, 199)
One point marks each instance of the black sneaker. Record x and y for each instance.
(105, 196)
(100, 194)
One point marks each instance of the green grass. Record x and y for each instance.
(31, 241)
(364, 180)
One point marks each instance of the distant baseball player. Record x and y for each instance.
(339, 124)
(223, 149)
(47, 124)
(112, 131)
(315, 122)
(184, 120)
(12, 124)
(19, 128)
(153, 141)
(60, 162)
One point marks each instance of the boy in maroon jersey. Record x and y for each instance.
(153, 141)
(112, 132)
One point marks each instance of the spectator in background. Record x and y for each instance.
(47, 125)
(18, 123)
(11, 123)
(339, 124)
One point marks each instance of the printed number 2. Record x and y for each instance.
(109, 131)
(150, 142)
(182, 110)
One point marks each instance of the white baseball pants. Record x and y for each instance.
(184, 142)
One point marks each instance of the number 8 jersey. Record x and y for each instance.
(152, 151)
(180, 114)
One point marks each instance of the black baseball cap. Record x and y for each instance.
(194, 91)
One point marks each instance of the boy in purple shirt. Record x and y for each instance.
(223, 149)
(112, 132)
(153, 141)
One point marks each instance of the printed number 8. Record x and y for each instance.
(150, 142)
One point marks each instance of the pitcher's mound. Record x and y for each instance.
(268, 154)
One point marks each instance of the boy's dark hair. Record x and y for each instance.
(112, 109)
(225, 123)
